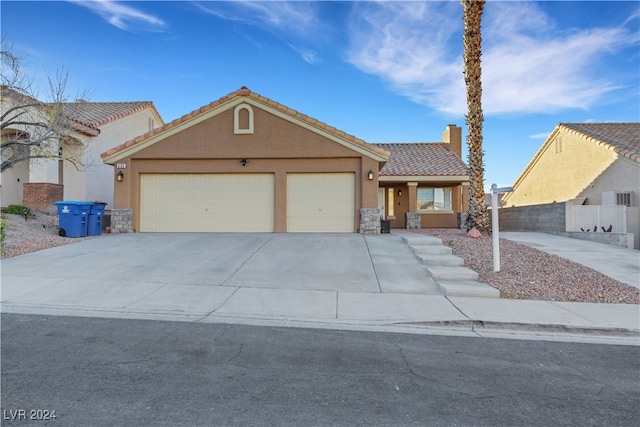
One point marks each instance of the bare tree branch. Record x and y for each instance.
(33, 129)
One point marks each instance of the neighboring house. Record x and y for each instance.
(597, 163)
(584, 182)
(98, 126)
(245, 163)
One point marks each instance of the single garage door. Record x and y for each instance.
(321, 202)
(207, 202)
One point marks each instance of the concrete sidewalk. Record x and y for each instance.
(310, 280)
(614, 261)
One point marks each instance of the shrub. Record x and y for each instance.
(3, 226)
(16, 210)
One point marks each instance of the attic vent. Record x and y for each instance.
(243, 119)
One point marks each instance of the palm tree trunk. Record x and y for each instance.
(472, 40)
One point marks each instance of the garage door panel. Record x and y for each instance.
(207, 202)
(321, 202)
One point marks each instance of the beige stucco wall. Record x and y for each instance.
(277, 146)
(623, 175)
(562, 170)
(97, 178)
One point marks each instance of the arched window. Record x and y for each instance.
(243, 119)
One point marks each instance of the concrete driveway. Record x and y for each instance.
(297, 275)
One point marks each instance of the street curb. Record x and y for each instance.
(488, 326)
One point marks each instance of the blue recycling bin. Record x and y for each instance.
(73, 217)
(94, 227)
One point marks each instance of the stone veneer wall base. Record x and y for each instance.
(370, 221)
(412, 221)
(122, 221)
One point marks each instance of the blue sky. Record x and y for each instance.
(382, 71)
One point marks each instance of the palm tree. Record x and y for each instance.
(472, 40)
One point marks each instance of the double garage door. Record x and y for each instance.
(316, 202)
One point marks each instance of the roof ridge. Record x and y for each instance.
(244, 91)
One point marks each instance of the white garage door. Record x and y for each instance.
(321, 202)
(207, 202)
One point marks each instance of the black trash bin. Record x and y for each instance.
(385, 226)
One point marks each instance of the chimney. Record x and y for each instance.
(453, 136)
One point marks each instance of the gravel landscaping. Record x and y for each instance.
(527, 273)
(34, 234)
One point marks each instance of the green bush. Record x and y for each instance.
(3, 225)
(16, 210)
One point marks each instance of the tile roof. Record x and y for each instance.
(87, 114)
(244, 91)
(96, 114)
(422, 159)
(623, 138)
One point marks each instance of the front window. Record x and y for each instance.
(434, 199)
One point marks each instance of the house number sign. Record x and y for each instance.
(121, 165)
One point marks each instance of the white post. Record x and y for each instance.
(495, 228)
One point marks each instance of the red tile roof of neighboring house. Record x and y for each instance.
(422, 159)
(247, 93)
(96, 114)
(623, 138)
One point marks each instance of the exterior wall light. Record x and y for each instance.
(399, 193)
(370, 175)
(244, 162)
(120, 176)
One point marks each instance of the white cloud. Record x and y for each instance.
(288, 17)
(122, 16)
(529, 65)
(542, 135)
(292, 20)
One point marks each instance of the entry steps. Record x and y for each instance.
(447, 270)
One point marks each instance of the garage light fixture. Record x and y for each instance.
(244, 162)
(120, 176)
(370, 175)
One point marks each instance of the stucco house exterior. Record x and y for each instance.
(593, 169)
(98, 126)
(583, 161)
(245, 163)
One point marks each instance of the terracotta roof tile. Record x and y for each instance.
(422, 159)
(244, 92)
(623, 138)
(96, 114)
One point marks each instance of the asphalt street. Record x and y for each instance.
(116, 372)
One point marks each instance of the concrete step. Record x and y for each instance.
(431, 249)
(449, 273)
(420, 239)
(468, 288)
(438, 259)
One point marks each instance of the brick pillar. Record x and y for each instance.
(39, 196)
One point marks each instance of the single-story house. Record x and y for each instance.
(98, 126)
(245, 163)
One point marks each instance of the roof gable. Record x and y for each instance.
(232, 100)
(422, 159)
(622, 138)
